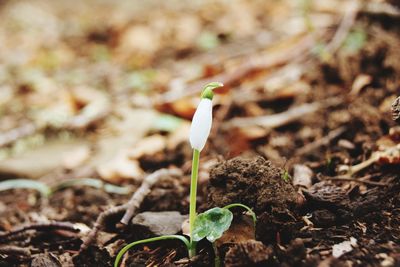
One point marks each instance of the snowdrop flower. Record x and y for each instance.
(202, 119)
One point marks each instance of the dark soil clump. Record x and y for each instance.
(253, 182)
(260, 185)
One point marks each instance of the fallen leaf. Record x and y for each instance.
(148, 146)
(343, 247)
(241, 230)
(359, 83)
(39, 161)
(76, 157)
(121, 167)
(302, 175)
(171, 221)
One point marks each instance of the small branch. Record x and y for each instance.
(148, 182)
(344, 28)
(381, 8)
(349, 179)
(276, 120)
(13, 250)
(99, 223)
(321, 142)
(40, 227)
(131, 207)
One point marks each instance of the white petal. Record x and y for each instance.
(201, 124)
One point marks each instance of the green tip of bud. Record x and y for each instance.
(208, 90)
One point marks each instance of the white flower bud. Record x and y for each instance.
(201, 124)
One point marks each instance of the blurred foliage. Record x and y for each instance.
(355, 41)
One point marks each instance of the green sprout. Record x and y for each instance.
(214, 222)
(286, 176)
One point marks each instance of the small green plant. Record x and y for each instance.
(214, 222)
(286, 176)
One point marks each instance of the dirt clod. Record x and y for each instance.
(256, 183)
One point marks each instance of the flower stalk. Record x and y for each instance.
(199, 132)
(193, 198)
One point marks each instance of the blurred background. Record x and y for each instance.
(80, 82)
(105, 90)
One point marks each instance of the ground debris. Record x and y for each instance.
(238, 180)
(45, 260)
(129, 208)
(302, 175)
(343, 247)
(248, 253)
(171, 222)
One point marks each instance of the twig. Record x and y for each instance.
(349, 179)
(321, 142)
(376, 156)
(381, 8)
(99, 223)
(280, 119)
(137, 198)
(40, 227)
(344, 27)
(15, 250)
(276, 120)
(131, 207)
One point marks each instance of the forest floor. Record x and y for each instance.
(97, 96)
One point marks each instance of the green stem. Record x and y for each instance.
(217, 259)
(193, 199)
(253, 215)
(148, 240)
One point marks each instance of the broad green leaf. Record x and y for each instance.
(212, 224)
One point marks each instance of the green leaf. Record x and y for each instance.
(212, 224)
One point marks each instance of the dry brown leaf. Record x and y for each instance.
(179, 135)
(361, 81)
(148, 146)
(76, 157)
(241, 230)
(302, 175)
(119, 168)
(39, 161)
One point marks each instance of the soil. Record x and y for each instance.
(297, 224)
